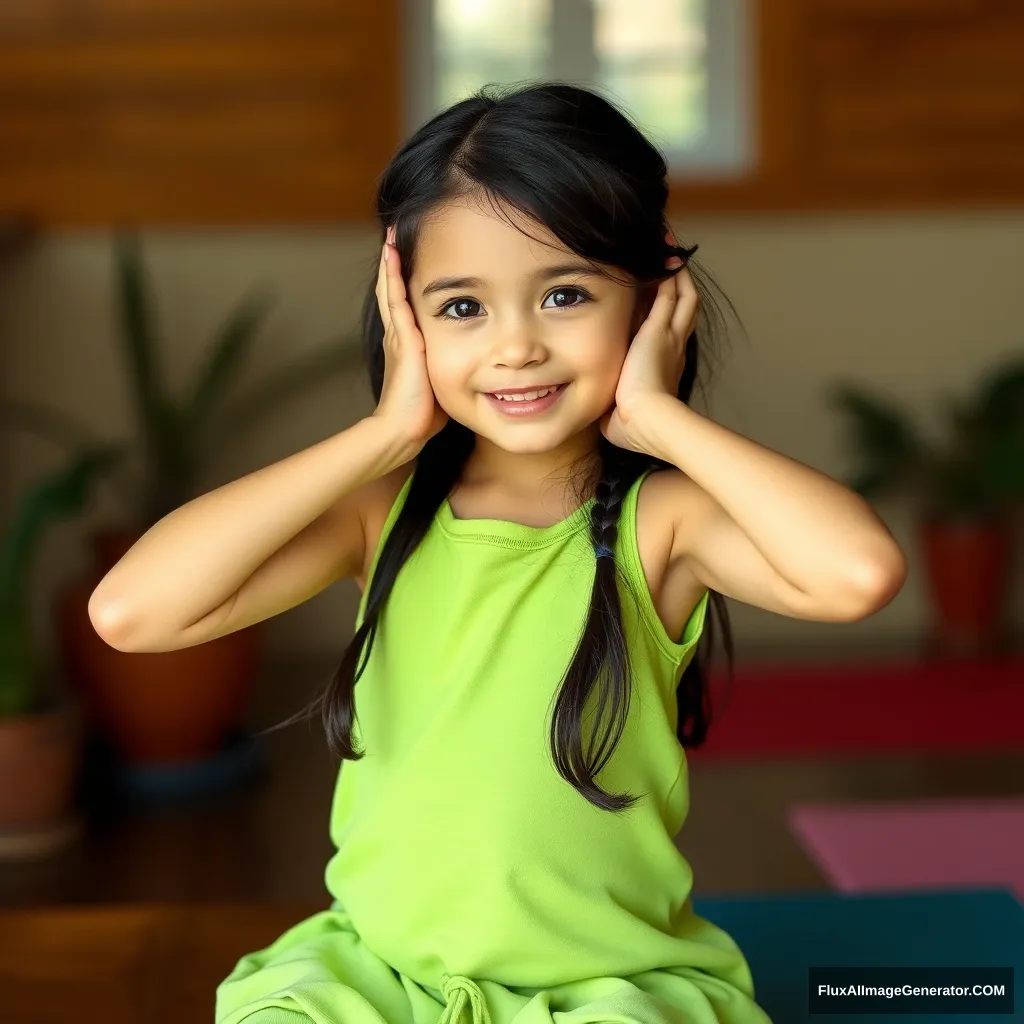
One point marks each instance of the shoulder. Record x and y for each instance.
(667, 506)
(376, 503)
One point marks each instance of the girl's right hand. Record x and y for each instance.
(407, 400)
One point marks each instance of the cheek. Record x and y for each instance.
(605, 353)
(445, 367)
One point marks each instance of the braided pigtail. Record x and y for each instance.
(602, 646)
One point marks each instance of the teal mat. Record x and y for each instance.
(783, 936)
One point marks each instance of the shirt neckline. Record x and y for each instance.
(505, 530)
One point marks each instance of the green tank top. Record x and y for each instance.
(460, 851)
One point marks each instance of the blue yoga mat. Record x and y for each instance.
(783, 936)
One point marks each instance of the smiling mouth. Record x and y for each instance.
(519, 407)
(526, 395)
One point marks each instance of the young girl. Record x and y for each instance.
(537, 521)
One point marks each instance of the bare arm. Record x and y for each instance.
(268, 541)
(250, 549)
(748, 521)
(771, 531)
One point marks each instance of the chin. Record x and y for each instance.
(520, 438)
(523, 445)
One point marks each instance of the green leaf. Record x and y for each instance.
(962, 417)
(1001, 465)
(156, 419)
(66, 432)
(870, 484)
(307, 371)
(880, 437)
(957, 489)
(43, 421)
(59, 494)
(1001, 397)
(18, 662)
(227, 355)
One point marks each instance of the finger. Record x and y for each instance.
(381, 291)
(685, 313)
(401, 312)
(660, 316)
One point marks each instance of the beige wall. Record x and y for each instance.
(918, 305)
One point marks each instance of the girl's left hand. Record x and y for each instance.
(655, 359)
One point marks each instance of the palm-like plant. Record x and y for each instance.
(180, 437)
(60, 494)
(177, 439)
(975, 476)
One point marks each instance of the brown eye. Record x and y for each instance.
(458, 304)
(568, 291)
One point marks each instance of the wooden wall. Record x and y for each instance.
(196, 111)
(883, 103)
(180, 112)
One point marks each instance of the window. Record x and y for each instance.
(680, 68)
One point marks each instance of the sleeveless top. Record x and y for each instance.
(460, 850)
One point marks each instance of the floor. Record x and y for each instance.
(267, 841)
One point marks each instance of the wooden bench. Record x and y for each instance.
(153, 963)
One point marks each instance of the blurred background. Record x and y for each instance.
(186, 192)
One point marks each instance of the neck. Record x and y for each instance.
(524, 473)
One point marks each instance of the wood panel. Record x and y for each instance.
(937, 98)
(198, 111)
(235, 13)
(232, 111)
(151, 963)
(884, 104)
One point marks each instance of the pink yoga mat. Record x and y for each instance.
(915, 845)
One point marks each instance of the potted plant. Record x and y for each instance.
(969, 489)
(40, 722)
(176, 706)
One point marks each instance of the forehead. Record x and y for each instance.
(469, 236)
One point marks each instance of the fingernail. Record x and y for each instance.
(385, 252)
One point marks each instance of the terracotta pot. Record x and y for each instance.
(156, 708)
(967, 565)
(40, 755)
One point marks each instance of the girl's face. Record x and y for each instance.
(517, 322)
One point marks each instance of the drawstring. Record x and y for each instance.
(457, 990)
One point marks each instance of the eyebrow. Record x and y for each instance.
(543, 274)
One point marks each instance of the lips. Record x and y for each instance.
(521, 407)
(525, 391)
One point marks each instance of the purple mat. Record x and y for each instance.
(915, 845)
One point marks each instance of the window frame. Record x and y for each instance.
(729, 150)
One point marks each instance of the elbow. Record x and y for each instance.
(874, 584)
(112, 621)
(119, 624)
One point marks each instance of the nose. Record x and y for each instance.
(462, 993)
(518, 346)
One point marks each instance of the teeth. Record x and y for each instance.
(530, 396)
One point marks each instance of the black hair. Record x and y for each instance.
(569, 159)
